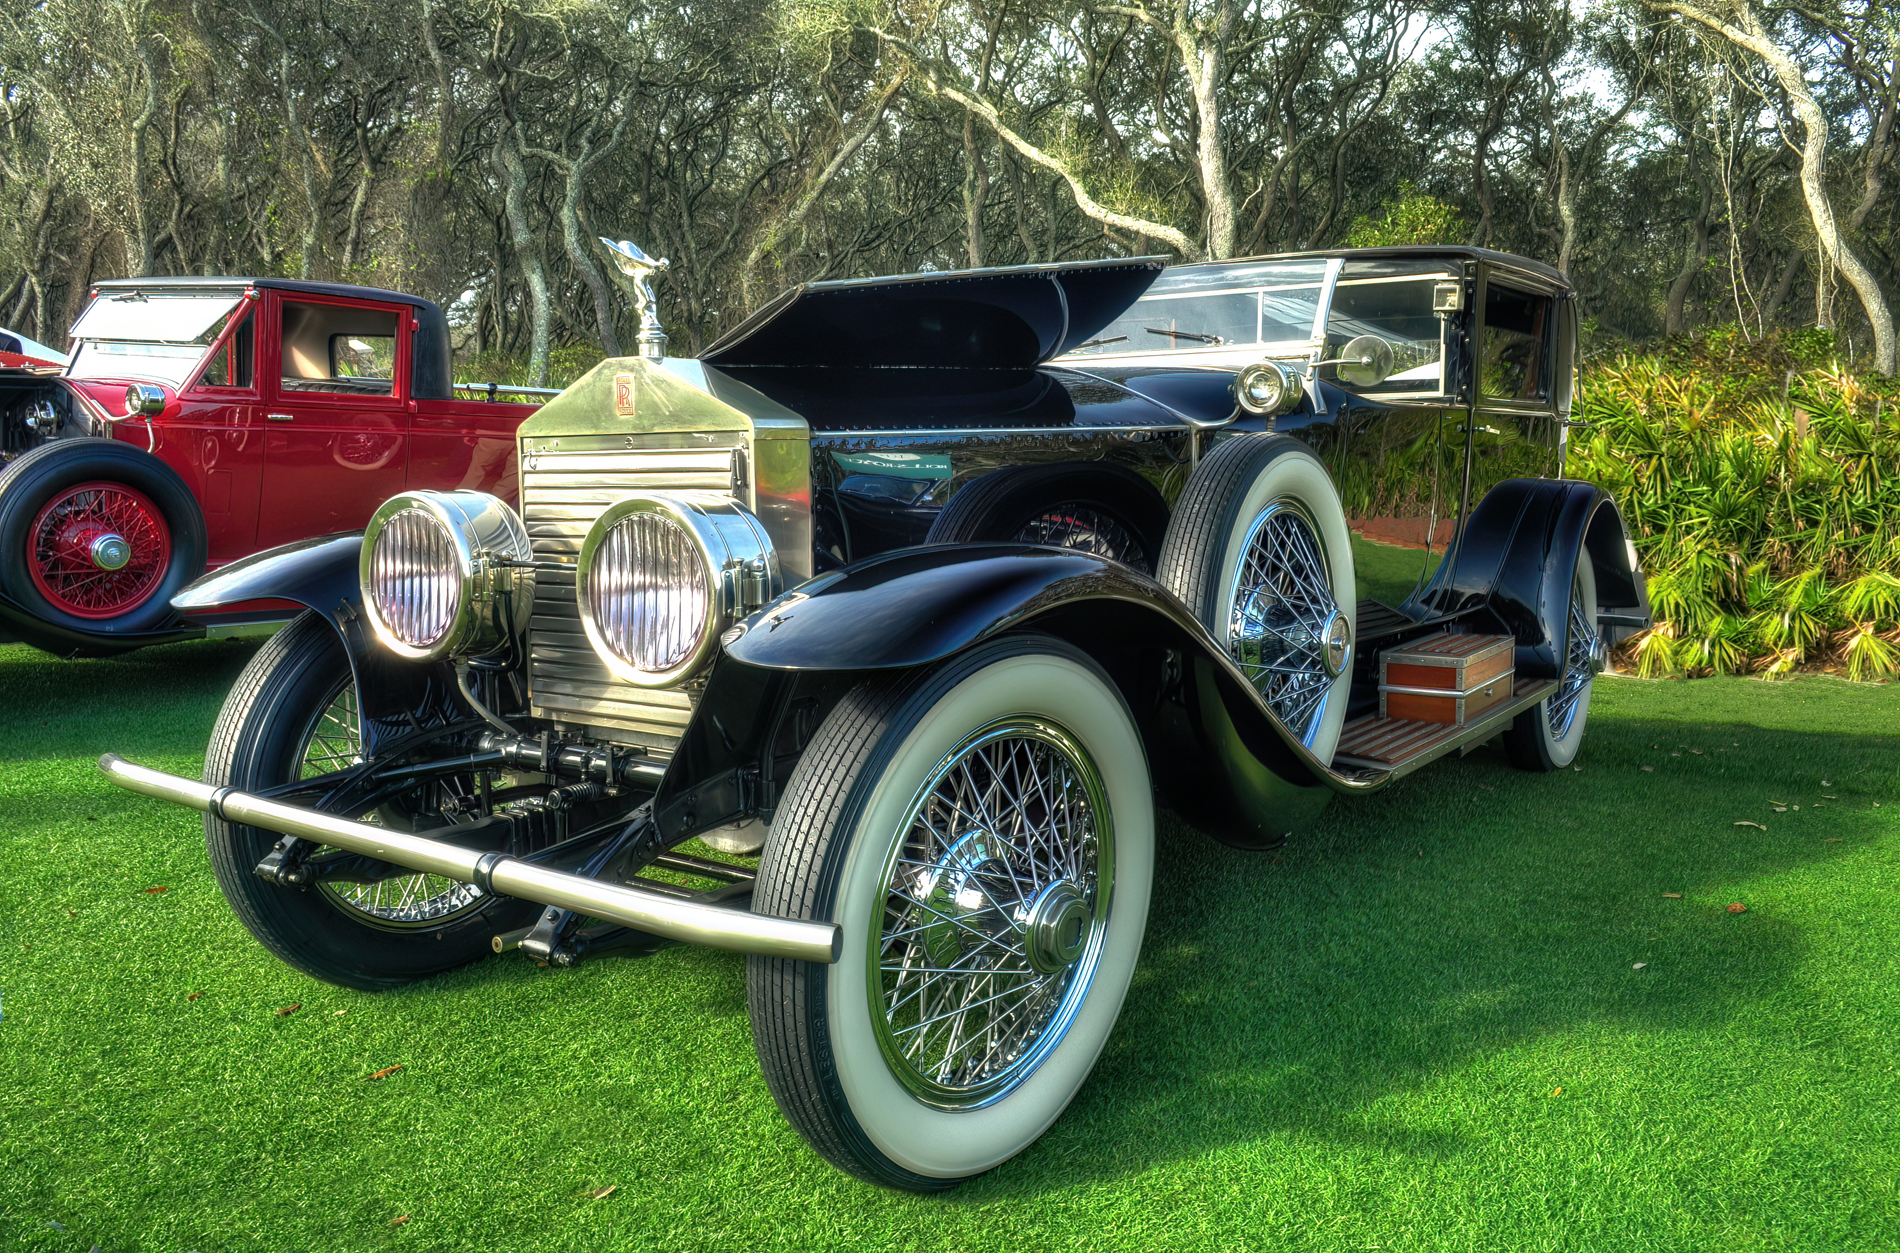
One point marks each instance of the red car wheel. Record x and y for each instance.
(98, 550)
(96, 537)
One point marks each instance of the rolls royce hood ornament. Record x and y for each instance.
(641, 268)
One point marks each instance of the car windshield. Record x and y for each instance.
(155, 317)
(1195, 308)
(1230, 314)
(160, 336)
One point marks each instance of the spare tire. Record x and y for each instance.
(97, 536)
(1090, 506)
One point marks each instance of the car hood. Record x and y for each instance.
(1012, 318)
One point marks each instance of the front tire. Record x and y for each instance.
(293, 714)
(1549, 735)
(983, 833)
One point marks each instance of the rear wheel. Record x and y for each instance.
(983, 834)
(1549, 734)
(1092, 507)
(97, 536)
(293, 715)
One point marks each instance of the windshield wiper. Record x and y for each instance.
(1097, 343)
(1206, 339)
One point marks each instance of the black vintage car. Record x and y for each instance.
(922, 589)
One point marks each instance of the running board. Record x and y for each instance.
(688, 921)
(1394, 748)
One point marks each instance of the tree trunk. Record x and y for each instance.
(514, 181)
(1784, 287)
(1750, 34)
(1694, 256)
(976, 192)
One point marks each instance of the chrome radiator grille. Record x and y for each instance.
(566, 483)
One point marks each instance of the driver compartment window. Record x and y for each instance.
(1512, 351)
(338, 349)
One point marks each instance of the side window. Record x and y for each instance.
(363, 356)
(338, 350)
(1516, 325)
(231, 366)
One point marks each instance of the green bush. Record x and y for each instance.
(1761, 480)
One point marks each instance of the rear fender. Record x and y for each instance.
(1518, 554)
(1220, 757)
(321, 575)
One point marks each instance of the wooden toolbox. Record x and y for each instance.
(1445, 678)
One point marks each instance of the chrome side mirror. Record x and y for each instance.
(1365, 361)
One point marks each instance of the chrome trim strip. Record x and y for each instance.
(692, 922)
(1448, 691)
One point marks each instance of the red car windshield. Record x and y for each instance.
(160, 336)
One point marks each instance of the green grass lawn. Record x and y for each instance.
(1422, 1027)
(1389, 572)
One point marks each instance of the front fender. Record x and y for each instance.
(318, 574)
(321, 575)
(1216, 749)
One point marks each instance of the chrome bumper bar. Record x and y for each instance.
(688, 921)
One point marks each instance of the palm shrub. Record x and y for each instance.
(1761, 481)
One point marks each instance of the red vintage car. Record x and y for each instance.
(200, 420)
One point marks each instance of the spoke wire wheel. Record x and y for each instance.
(993, 818)
(993, 919)
(1095, 507)
(1549, 735)
(334, 742)
(1088, 529)
(1259, 552)
(293, 714)
(1572, 698)
(98, 549)
(1284, 627)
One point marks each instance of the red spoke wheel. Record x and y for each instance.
(99, 550)
(96, 537)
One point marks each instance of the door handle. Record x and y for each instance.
(280, 417)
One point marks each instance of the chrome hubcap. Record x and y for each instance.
(1056, 926)
(1285, 629)
(995, 905)
(110, 552)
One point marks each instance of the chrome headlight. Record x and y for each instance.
(1266, 387)
(662, 574)
(436, 574)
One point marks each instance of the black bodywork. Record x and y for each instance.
(914, 388)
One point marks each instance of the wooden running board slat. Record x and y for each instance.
(1390, 742)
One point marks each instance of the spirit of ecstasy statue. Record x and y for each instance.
(641, 268)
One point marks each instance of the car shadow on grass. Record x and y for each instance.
(58, 708)
(1466, 911)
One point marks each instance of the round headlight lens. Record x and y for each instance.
(415, 577)
(1265, 387)
(648, 595)
(438, 575)
(662, 574)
